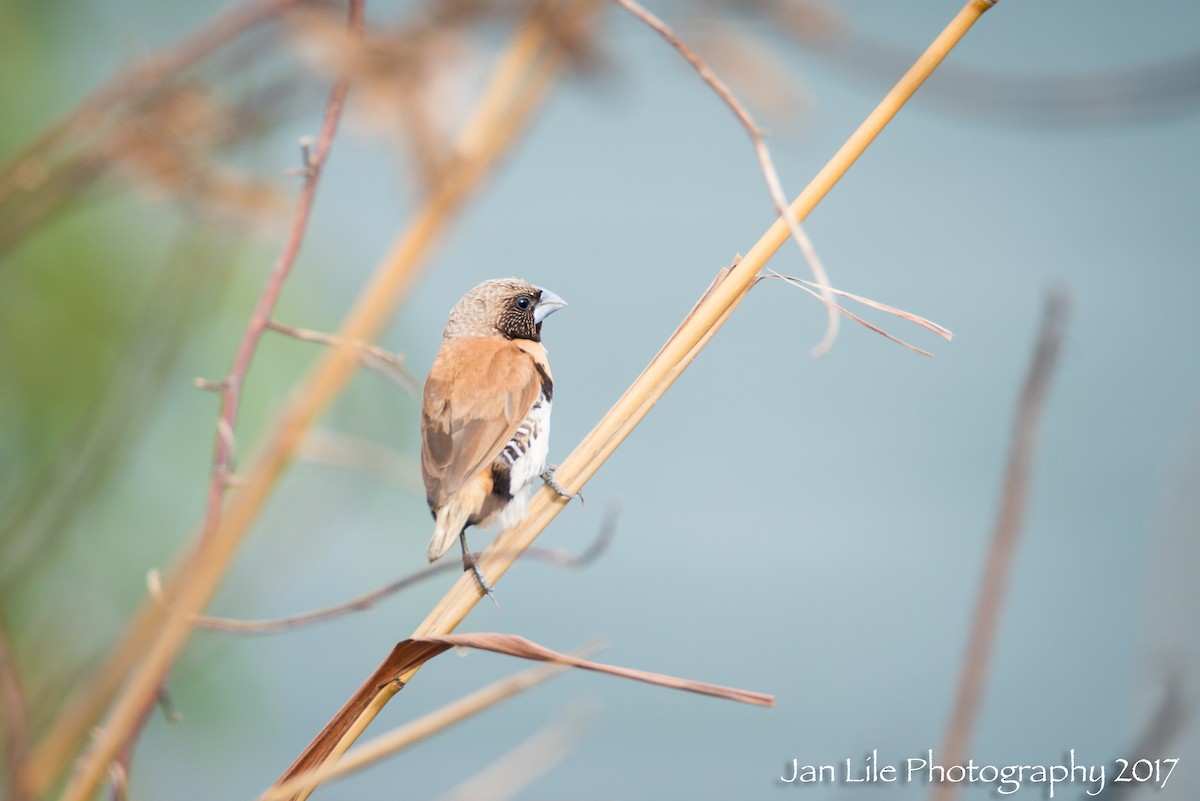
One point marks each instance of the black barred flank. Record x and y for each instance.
(547, 383)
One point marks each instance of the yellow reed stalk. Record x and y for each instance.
(521, 77)
(705, 319)
(688, 340)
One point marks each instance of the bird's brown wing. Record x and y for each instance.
(478, 392)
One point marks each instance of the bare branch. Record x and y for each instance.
(1007, 530)
(314, 162)
(364, 602)
(765, 163)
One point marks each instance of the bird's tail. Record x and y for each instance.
(451, 519)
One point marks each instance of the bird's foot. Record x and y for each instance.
(470, 564)
(547, 476)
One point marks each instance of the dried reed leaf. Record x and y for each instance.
(412, 653)
(415, 731)
(407, 655)
(942, 331)
(514, 645)
(811, 288)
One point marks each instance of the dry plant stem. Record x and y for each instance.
(363, 602)
(527, 68)
(765, 162)
(422, 728)
(692, 335)
(152, 71)
(998, 566)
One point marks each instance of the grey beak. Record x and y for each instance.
(549, 304)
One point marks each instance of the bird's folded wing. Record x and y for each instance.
(477, 394)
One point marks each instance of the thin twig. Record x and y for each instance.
(765, 163)
(314, 163)
(1005, 535)
(374, 357)
(364, 602)
(14, 709)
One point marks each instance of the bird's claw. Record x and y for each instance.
(547, 476)
(473, 566)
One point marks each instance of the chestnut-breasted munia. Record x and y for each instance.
(485, 414)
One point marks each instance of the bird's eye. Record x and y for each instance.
(524, 302)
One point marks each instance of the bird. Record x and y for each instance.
(485, 414)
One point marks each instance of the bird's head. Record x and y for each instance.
(508, 307)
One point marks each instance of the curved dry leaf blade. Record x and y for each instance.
(513, 645)
(416, 730)
(407, 655)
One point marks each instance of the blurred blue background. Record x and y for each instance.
(810, 528)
